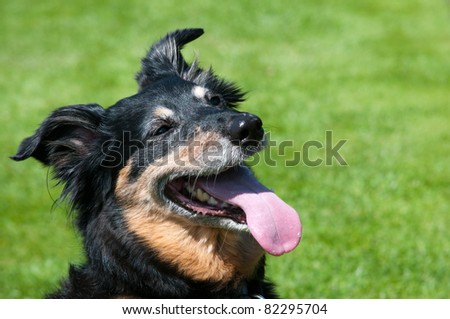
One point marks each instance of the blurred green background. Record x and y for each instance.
(375, 73)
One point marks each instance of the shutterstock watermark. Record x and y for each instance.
(201, 152)
(311, 153)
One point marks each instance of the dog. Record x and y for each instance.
(163, 199)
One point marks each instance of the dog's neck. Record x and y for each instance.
(197, 252)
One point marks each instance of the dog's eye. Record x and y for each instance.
(215, 100)
(162, 129)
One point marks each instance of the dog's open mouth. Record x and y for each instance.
(238, 196)
(186, 192)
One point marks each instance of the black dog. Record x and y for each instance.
(164, 203)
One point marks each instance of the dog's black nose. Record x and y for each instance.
(246, 130)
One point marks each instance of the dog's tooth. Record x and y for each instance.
(199, 194)
(212, 201)
(202, 196)
(224, 205)
(206, 197)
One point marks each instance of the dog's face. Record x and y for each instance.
(182, 134)
(168, 165)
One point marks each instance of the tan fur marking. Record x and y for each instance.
(162, 112)
(199, 92)
(199, 252)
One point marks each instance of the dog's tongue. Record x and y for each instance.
(273, 223)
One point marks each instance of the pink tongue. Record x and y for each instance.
(273, 223)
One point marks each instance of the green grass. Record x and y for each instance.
(376, 73)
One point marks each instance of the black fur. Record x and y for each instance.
(86, 146)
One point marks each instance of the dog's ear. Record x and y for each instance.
(65, 137)
(164, 57)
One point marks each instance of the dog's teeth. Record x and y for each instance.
(199, 194)
(202, 196)
(212, 201)
(206, 197)
(224, 205)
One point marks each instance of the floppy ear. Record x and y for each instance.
(65, 137)
(164, 57)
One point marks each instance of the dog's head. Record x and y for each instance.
(170, 159)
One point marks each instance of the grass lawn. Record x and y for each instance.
(374, 73)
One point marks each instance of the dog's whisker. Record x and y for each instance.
(223, 241)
